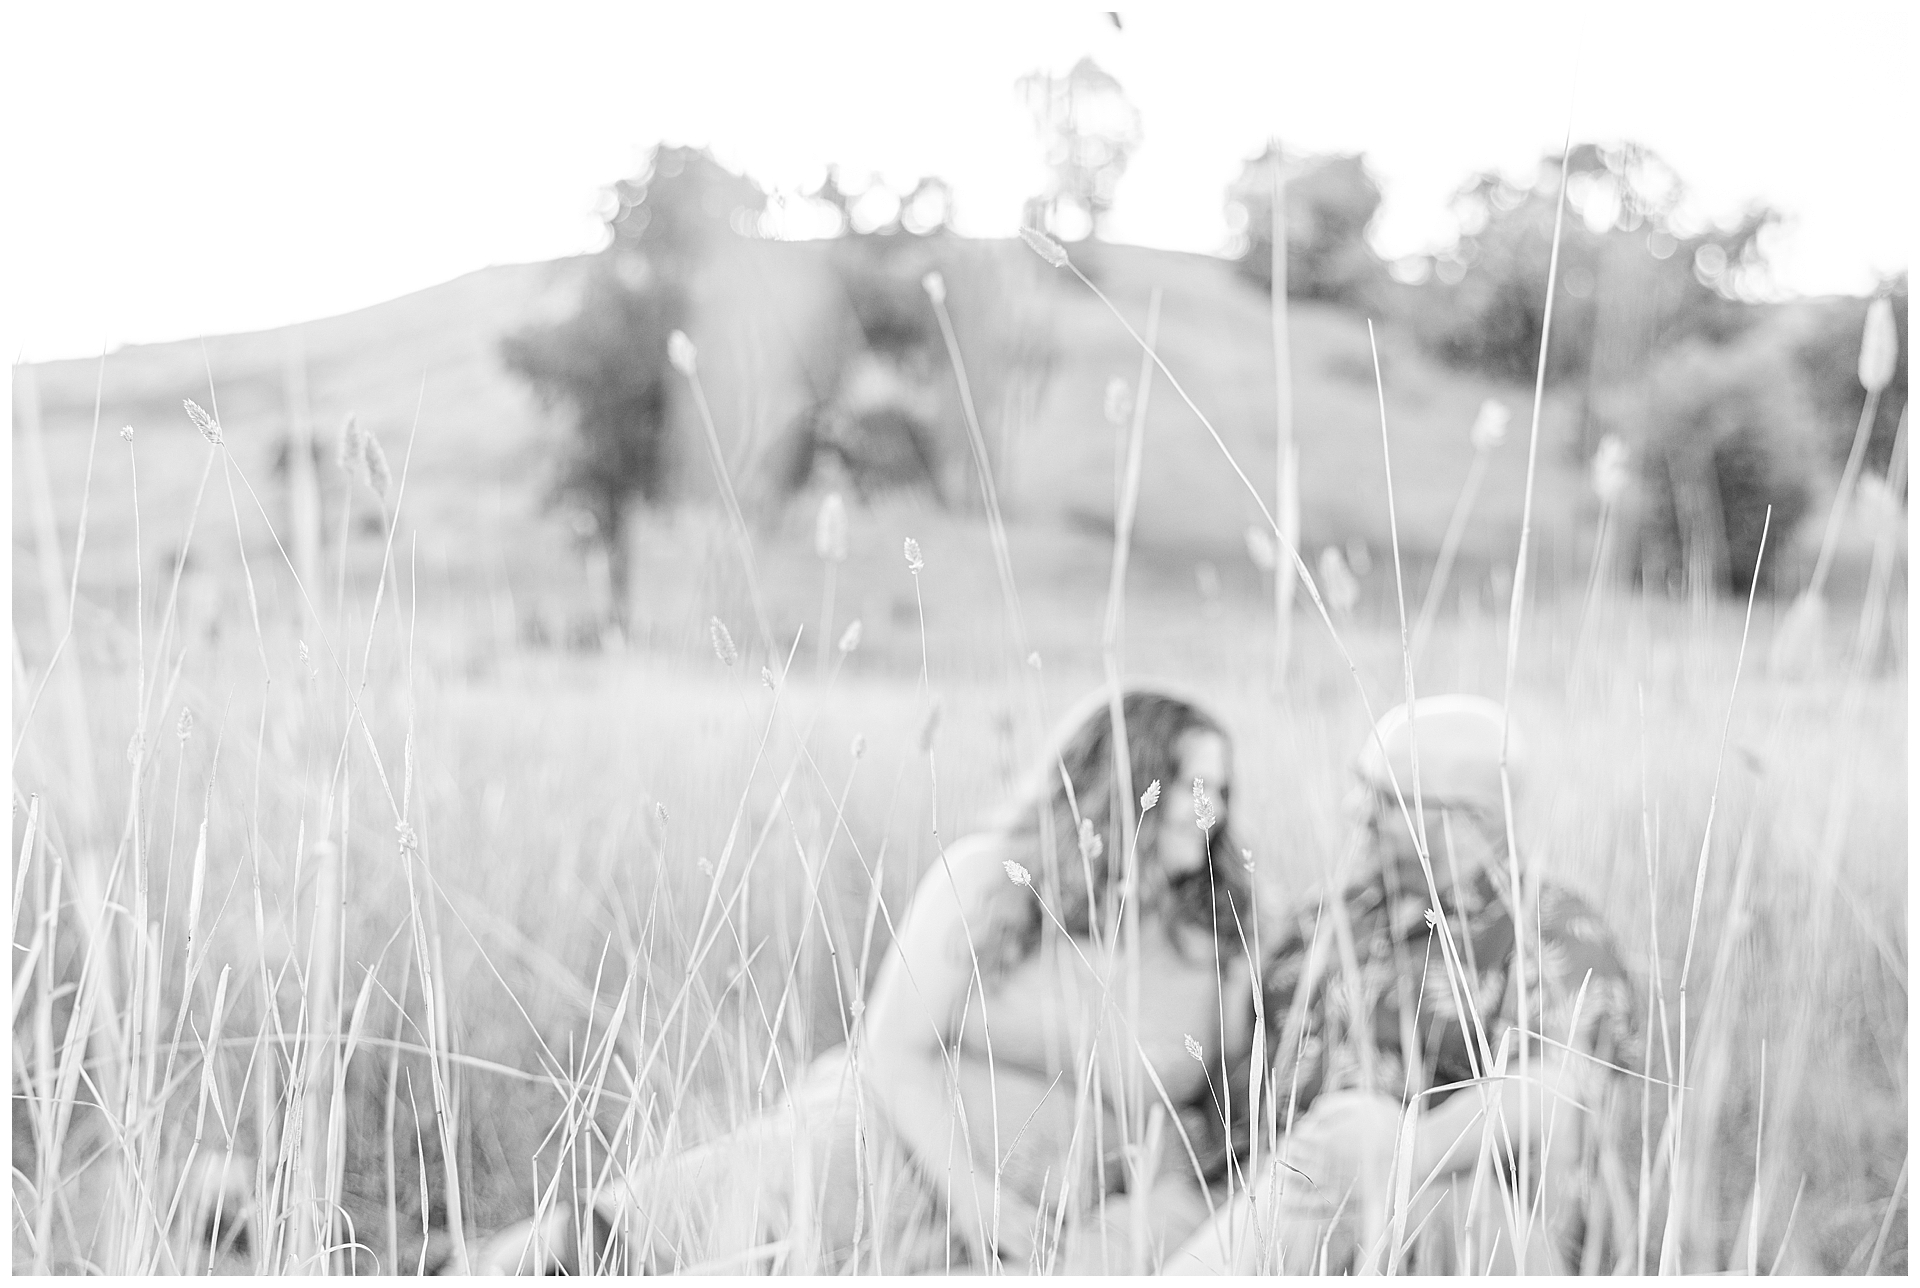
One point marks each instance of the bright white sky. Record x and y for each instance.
(183, 168)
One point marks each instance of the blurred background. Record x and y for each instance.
(781, 203)
(471, 561)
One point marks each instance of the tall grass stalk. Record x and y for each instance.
(1286, 454)
(99, 960)
(1671, 1242)
(1800, 637)
(935, 287)
(1886, 1222)
(1449, 550)
(59, 597)
(1886, 550)
(1459, 983)
(989, 490)
(1843, 494)
(322, 1074)
(1516, 607)
(1112, 653)
(1843, 785)
(684, 361)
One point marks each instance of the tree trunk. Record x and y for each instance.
(619, 575)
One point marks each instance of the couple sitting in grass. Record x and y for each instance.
(1055, 1072)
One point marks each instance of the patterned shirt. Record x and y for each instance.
(1351, 1002)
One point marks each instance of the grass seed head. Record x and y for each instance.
(830, 529)
(1260, 548)
(126, 433)
(1246, 859)
(681, 353)
(766, 678)
(136, 745)
(722, 642)
(850, 638)
(935, 286)
(209, 427)
(914, 562)
(1879, 345)
(1091, 846)
(1193, 1049)
(1017, 874)
(1044, 246)
(859, 748)
(379, 476)
(1150, 797)
(660, 812)
(1336, 581)
(1490, 426)
(184, 730)
(351, 453)
(1609, 473)
(1202, 806)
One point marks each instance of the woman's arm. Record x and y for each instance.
(1218, 1118)
(1559, 1091)
(945, 954)
(1579, 994)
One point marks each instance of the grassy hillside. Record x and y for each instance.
(1215, 337)
(481, 459)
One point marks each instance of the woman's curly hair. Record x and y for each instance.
(1073, 838)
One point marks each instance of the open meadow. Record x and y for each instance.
(427, 924)
(473, 752)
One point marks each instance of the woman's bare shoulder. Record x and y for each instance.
(974, 891)
(973, 848)
(973, 865)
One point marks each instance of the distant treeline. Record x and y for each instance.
(1724, 405)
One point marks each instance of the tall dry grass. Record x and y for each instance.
(421, 931)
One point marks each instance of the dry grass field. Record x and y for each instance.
(425, 923)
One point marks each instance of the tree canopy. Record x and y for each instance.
(1635, 276)
(1089, 129)
(606, 362)
(1331, 202)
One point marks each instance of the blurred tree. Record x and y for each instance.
(1723, 434)
(1634, 277)
(884, 247)
(832, 192)
(880, 273)
(680, 205)
(607, 360)
(1331, 202)
(879, 207)
(1089, 129)
(886, 415)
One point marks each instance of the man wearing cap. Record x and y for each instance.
(1374, 1005)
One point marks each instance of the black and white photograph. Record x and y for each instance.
(822, 639)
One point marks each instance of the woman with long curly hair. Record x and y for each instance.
(1037, 1072)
